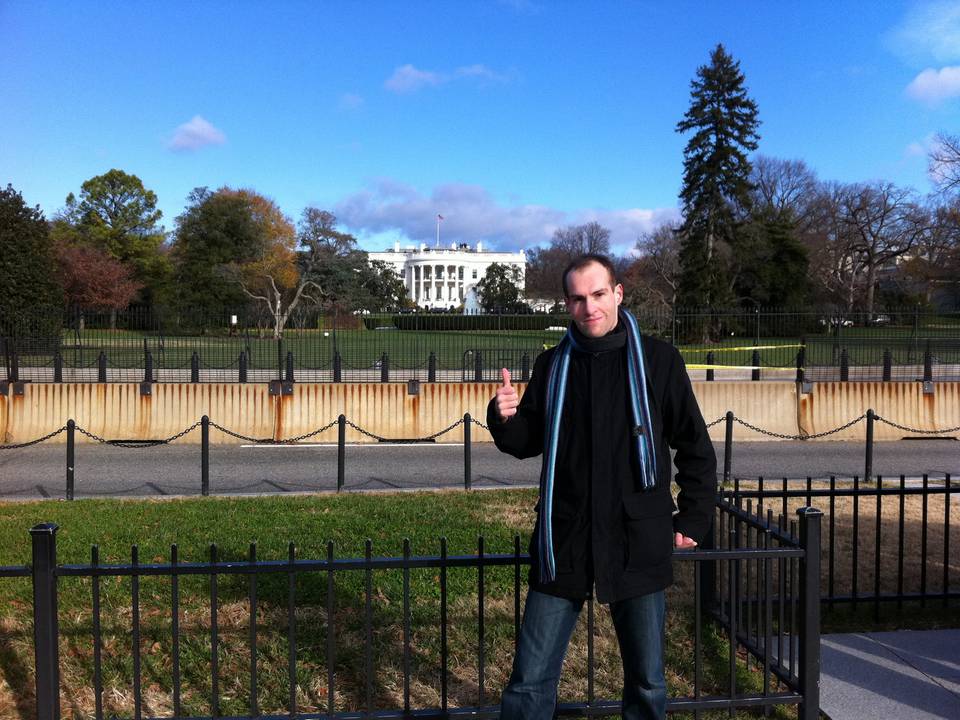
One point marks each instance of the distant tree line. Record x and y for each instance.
(231, 249)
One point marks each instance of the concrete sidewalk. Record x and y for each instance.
(891, 675)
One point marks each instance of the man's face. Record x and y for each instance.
(592, 300)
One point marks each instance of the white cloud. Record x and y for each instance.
(471, 213)
(930, 31)
(350, 101)
(195, 134)
(407, 79)
(935, 86)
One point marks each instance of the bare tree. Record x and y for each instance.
(934, 260)
(944, 163)
(784, 186)
(885, 223)
(575, 240)
(653, 277)
(835, 268)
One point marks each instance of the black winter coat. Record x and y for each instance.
(606, 530)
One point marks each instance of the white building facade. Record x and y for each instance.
(444, 278)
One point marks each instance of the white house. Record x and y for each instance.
(442, 277)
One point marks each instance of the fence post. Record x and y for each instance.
(57, 367)
(802, 361)
(289, 366)
(755, 361)
(337, 367)
(710, 361)
(478, 366)
(868, 459)
(927, 364)
(384, 368)
(194, 367)
(341, 448)
(242, 366)
(887, 364)
(844, 365)
(14, 367)
(467, 480)
(71, 456)
(432, 367)
(279, 358)
(205, 456)
(727, 447)
(147, 366)
(525, 367)
(809, 656)
(102, 367)
(45, 626)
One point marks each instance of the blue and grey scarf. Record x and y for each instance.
(642, 429)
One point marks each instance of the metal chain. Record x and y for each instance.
(298, 438)
(137, 445)
(46, 437)
(804, 436)
(916, 430)
(368, 433)
(476, 422)
(445, 430)
(716, 422)
(238, 436)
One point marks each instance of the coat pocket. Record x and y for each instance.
(648, 524)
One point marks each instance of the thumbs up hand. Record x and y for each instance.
(507, 398)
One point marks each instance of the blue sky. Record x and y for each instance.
(509, 118)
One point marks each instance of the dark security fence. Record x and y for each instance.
(154, 346)
(757, 594)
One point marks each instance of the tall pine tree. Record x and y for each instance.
(716, 171)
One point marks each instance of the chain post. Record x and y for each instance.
(57, 367)
(844, 365)
(467, 479)
(809, 655)
(102, 367)
(710, 362)
(525, 367)
(478, 366)
(887, 365)
(384, 368)
(868, 458)
(727, 447)
(242, 366)
(46, 629)
(205, 455)
(432, 367)
(341, 449)
(71, 456)
(755, 361)
(194, 367)
(290, 366)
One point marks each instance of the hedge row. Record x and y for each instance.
(466, 323)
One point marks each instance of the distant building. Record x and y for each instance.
(443, 278)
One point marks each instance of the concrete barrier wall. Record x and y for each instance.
(118, 411)
(833, 404)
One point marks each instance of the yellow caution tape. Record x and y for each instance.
(733, 349)
(738, 367)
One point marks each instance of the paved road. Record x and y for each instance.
(39, 472)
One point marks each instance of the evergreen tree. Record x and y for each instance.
(500, 289)
(28, 287)
(715, 193)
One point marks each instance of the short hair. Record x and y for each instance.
(581, 262)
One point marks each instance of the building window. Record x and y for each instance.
(474, 273)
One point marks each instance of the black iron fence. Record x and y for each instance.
(760, 590)
(141, 345)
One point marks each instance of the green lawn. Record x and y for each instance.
(309, 521)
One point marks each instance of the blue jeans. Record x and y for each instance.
(548, 623)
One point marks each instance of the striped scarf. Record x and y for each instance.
(556, 390)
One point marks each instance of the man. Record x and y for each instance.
(604, 407)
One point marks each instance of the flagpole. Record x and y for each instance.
(438, 232)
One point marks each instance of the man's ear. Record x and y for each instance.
(618, 293)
